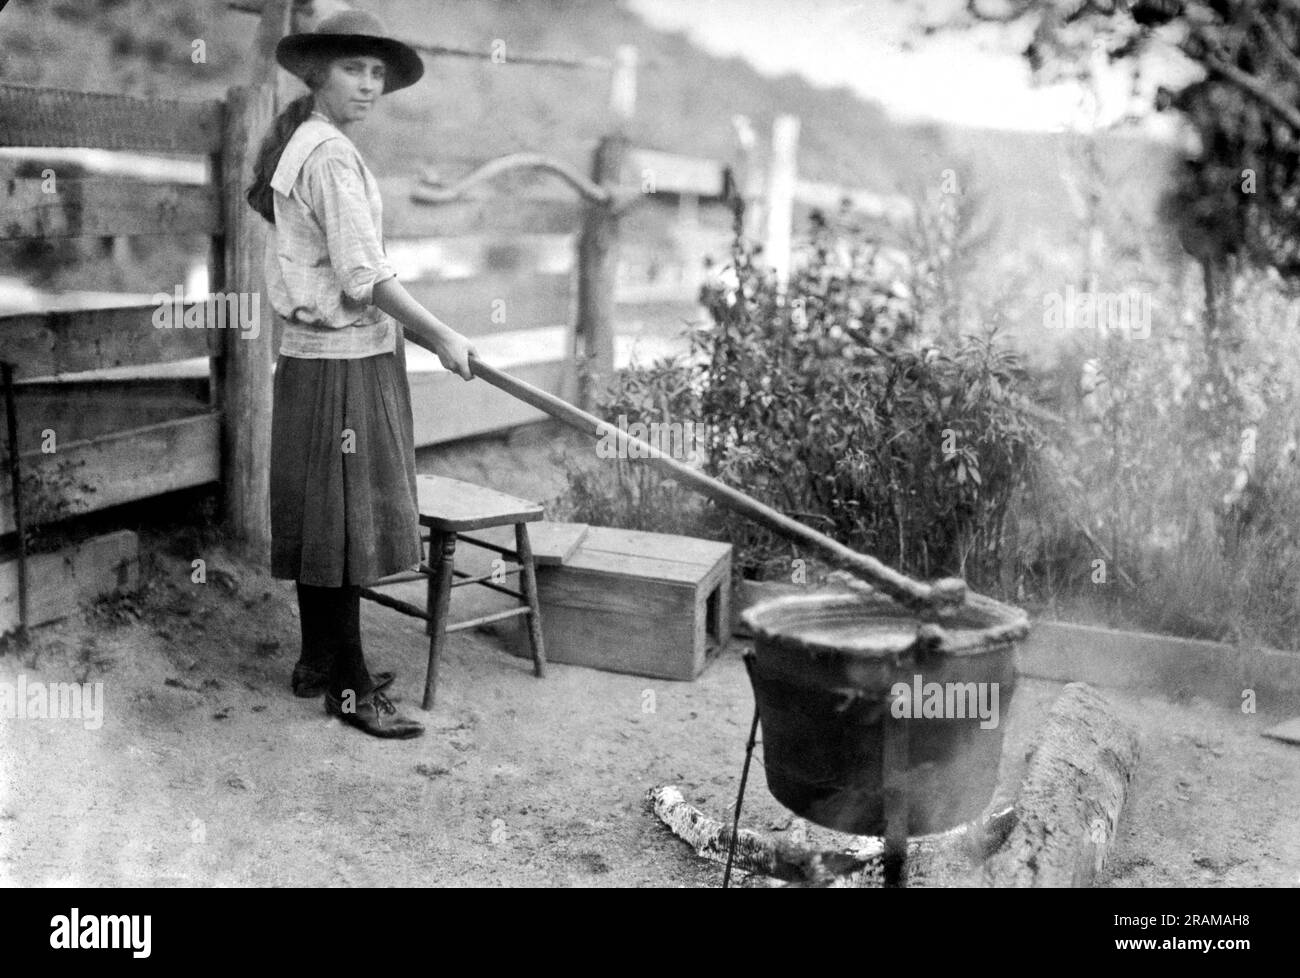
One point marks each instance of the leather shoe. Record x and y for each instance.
(310, 683)
(375, 714)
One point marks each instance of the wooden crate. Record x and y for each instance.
(552, 543)
(649, 604)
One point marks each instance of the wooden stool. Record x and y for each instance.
(449, 507)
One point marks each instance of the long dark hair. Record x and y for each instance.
(260, 196)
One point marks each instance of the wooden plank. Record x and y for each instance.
(1288, 731)
(129, 465)
(498, 302)
(672, 173)
(446, 408)
(1162, 664)
(606, 546)
(105, 206)
(195, 369)
(45, 344)
(646, 630)
(659, 299)
(641, 566)
(661, 604)
(465, 257)
(59, 582)
(109, 163)
(553, 543)
(58, 117)
(631, 597)
(116, 400)
(453, 505)
(501, 213)
(82, 412)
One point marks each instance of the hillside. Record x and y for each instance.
(467, 111)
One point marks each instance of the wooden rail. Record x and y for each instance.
(57, 117)
(97, 465)
(127, 465)
(510, 290)
(101, 206)
(50, 343)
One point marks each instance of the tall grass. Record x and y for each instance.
(1179, 472)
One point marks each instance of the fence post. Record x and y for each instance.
(780, 194)
(598, 243)
(622, 90)
(244, 371)
(598, 272)
(749, 176)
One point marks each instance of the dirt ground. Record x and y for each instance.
(208, 771)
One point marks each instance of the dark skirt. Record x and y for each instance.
(343, 499)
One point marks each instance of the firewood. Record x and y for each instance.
(945, 857)
(1071, 797)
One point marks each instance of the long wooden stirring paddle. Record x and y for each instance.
(913, 594)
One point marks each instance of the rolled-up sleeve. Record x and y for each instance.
(337, 194)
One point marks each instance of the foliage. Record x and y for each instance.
(949, 227)
(628, 492)
(1237, 196)
(1191, 500)
(823, 401)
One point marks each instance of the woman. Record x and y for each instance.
(343, 499)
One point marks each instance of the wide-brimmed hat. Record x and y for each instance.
(351, 32)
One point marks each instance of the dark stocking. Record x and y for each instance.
(349, 668)
(330, 619)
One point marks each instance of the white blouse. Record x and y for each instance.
(325, 252)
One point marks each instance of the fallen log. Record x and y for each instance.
(942, 857)
(1071, 797)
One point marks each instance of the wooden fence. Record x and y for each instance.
(533, 281)
(93, 444)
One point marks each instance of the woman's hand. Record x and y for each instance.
(454, 352)
(424, 328)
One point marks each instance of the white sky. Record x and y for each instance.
(975, 79)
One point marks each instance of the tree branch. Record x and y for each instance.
(1273, 39)
(1247, 83)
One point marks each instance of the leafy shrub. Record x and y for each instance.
(821, 401)
(627, 492)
